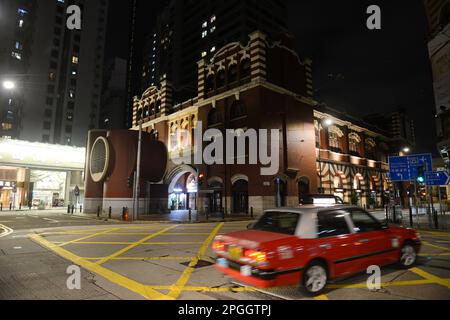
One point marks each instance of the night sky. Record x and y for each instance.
(355, 69)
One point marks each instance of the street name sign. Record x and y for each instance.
(407, 168)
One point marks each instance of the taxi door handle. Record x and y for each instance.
(364, 240)
(326, 246)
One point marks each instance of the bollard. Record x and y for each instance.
(72, 209)
(68, 209)
(1, 206)
(190, 215)
(223, 213)
(10, 207)
(81, 209)
(110, 213)
(20, 206)
(98, 212)
(251, 212)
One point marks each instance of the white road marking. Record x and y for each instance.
(6, 231)
(51, 220)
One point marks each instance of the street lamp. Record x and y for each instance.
(9, 85)
(406, 150)
(328, 122)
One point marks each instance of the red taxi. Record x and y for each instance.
(310, 246)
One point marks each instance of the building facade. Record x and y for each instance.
(40, 175)
(438, 13)
(261, 84)
(56, 75)
(187, 30)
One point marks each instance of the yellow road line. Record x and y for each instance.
(168, 243)
(143, 258)
(434, 254)
(321, 297)
(203, 289)
(104, 243)
(183, 280)
(186, 234)
(103, 272)
(432, 278)
(134, 245)
(87, 237)
(435, 246)
(384, 284)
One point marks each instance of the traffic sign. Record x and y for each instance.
(407, 168)
(440, 178)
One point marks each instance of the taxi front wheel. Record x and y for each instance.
(315, 279)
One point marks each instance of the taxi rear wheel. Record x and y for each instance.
(314, 279)
(408, 255)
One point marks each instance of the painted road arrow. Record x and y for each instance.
(440, 178)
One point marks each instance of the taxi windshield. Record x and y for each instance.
(278, 222)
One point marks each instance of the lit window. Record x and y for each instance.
(205, 24)
(204, 53)
(75, 60)
(204, 34)
(213, 18)
(20, 23)
(16, 55)
(22, 12)
(18, 45)
(213, 28)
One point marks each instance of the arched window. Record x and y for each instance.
(245, 68)
(354, 141)
(370, 149)
(158, 106)
(210, 80)
(232, 73)
(214, 118)
(238, 110)
(335, 139)
(221, 78)
(146, 111)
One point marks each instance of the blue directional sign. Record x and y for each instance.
(407, 168)
(441, 178)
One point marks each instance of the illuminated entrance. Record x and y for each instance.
(183, 189)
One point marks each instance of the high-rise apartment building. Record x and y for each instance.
(51, 76)
(189, 30)
(438, 13)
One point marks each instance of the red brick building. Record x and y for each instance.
(263, 84)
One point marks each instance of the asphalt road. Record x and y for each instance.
(168, 261)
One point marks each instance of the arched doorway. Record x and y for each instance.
(183, 188)
(303, 188)
(240, 196)
(216, 195)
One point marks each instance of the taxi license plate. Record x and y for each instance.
(235, 253)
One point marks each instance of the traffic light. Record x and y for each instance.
(421, 174)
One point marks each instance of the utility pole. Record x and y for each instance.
(137, 186)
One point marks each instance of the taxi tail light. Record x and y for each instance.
(218, 246)
(257, 256)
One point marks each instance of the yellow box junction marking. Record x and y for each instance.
(435, 246)
(114, 277)
(87, 237)
(431, 278)
(183, 280)
(134, 245)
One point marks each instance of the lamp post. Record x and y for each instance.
(325, 123)
(137, 186)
